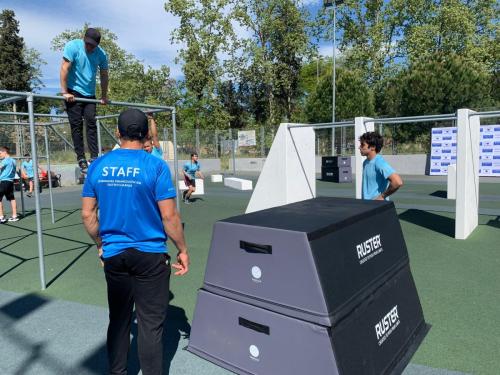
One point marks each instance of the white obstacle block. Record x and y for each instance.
(288, 174)
(452, 182)
(238, 183)
(200, 188)
(216, 178)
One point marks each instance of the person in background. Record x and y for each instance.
(28, 173)
(152, 144)
(379, 178)
(7, 175)
(190, 170)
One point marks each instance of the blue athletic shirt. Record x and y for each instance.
(156, 151)
(81, 76)
(7, 169)
(191, 168)
(28, 167)
(128, 184)
(375, 174)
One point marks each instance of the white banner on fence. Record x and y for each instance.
(246, 138)
(444, 150)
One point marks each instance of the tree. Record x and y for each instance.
(15, 72)
(353, 98)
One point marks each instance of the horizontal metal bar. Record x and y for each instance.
(25, 157)
(83, 100)
(325, 125)
(4, 113)
(27, 123)
(402, 120)
(117, 114)
(486, 114)
(11, 99)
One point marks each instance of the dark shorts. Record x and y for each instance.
(189, 182)
(7, 190)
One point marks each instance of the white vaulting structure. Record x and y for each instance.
(288, 174)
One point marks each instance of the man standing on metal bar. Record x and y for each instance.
(7, 174)
(132, 246)
(81, 59)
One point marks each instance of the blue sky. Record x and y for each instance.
(143, 29)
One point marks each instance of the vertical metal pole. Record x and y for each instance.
(197, 135)
(165, 142)
(49, 174)
(234, 157)
(21, 185)
(333, 72)
(216, 143)
(262, 142)
(36, 183)
(99, 144)
(176, 167)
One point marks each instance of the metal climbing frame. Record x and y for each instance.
(30, 97)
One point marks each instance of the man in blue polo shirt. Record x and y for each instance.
(27, 169)
(134, 193)
(7, 174)
(379, 178)
(81, 60)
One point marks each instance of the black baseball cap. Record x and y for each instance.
(133, 124)
(92, 36)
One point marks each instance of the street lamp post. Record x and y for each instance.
(333, 4)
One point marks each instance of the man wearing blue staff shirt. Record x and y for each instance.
(81, 60)
(379, 178)
(134, 193)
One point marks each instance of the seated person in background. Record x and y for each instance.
(151, 143)
(379, 178)
(190, 169)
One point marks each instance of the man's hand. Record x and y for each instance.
(379, 198)
(182, 264)
(104, 100)
(69, 97)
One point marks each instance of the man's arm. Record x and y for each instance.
(395, 182)
(63, 77)
(91, 221)
(173, 228)
(104, 85)
(153, 131)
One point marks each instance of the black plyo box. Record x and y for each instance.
(379, 337)
(336, 174)
(314, 260)
(336, 161)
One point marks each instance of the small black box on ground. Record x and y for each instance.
(336, 174)
(336, 161)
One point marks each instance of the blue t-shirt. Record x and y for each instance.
(81, 76)
(28, 167)
(7, 169)
(156, 151)
(191, 168)
(128, 184)
(375, 174)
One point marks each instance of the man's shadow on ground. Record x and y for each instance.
(176, 327)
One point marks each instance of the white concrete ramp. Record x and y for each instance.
(200, 187)
(238, 183)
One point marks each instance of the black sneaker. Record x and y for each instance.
(82, 163)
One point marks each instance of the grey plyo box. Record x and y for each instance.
(314, 260)
(379, 337)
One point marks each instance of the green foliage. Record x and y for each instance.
(353, 97)
(15, 72)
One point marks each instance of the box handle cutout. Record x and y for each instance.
(253, 326)
(256, 248)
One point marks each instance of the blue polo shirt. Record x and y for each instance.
(28, 167)
(7, 169)
(156, 151)
(191, 168)
(375, 177)
(128, 184)
(82, 75)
